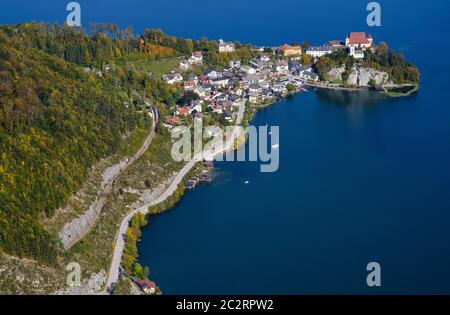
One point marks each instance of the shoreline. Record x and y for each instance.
(113, 274)
(384, 88)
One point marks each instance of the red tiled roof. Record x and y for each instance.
(183, 110)
(357, 38)
(289, 47)
(173, 120)
(146, 283)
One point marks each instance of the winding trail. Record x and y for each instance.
(113, 274)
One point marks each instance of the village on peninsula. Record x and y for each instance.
(273, 74)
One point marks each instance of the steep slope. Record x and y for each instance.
(55, 122)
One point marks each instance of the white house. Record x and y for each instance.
(255, 89)
(265, 57)
(200, 91)
(212, 131)
(254, 97)
(196, 105)
(173, 78)
(279, 88)
(250, 79)
(184, 65)
(248, 70)
(196, 58)
(319, 51)
(282, 67)
(212, 74)
(309, 75)
(221, 82)
(225, 47)
(235, 64)
(357, 54)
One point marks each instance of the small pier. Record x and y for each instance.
(193, 181)
(190, 184)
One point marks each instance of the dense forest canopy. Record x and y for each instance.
(56, 120)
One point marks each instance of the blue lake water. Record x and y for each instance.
(362, 177)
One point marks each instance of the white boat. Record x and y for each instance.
(275, 146)
(246, 182)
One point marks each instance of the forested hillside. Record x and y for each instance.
(55, 122)
(62, 95)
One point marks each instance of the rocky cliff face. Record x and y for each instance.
(359, 76)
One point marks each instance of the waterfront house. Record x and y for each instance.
(149, 287)
(254, 97)
(279, 88)
(266, 94)
(295, 67)
(309, 75)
